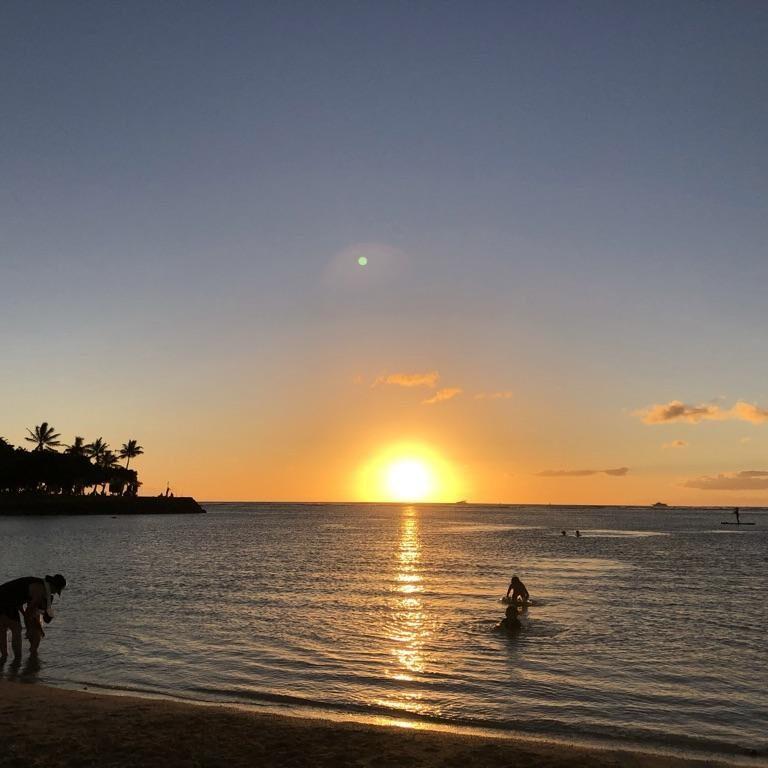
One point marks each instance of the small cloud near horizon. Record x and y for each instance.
(748, 480)
(503, 395)
(619, 472)
(447, 393)
(428, 379)
(676, 444)
(678, 411)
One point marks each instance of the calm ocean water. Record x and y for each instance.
(651, 627)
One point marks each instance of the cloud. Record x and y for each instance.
(428, 379)
(504, 395)
(677, 411)
(675, 444)
(749, 412)
(447, 393)
(619, 472)
(749, 480)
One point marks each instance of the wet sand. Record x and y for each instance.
(51, 727)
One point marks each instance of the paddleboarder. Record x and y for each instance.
(736, 512)
(518, 590)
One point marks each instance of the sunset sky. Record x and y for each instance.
(563, 207)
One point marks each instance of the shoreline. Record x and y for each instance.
(32, 505)
(112, 728)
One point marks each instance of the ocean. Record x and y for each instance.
(649, 628)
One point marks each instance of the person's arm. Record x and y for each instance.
(509, 588)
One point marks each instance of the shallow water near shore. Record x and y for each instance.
(649, 628)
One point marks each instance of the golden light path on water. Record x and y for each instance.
(408, 628)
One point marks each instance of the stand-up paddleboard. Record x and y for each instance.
(525, 604)
(725, 523)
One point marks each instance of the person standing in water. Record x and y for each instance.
(518, 590)
(32, 598)
(736, 512)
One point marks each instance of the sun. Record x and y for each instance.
(409, 480)
(407, 472)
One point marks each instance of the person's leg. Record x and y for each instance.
(4, 637)
(34, 632)
(15, 627)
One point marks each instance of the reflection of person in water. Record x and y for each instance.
(510, 623)
(518, 590)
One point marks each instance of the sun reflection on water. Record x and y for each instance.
(408, 627)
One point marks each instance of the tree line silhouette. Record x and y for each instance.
(79, 469)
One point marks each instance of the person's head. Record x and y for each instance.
(57, 582)
(515, 580)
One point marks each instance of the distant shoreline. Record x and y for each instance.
(32, 505)
(495, 505)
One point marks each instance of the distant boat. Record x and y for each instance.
(659, 504)
(463, 501)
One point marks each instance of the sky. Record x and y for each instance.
(563, 207)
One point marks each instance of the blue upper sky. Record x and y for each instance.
(570, 197)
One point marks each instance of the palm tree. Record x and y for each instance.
(96, 450)
(78, 448)
(107, 460)
(130, 450)
(44, 436)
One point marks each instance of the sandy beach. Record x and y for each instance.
(55, 727)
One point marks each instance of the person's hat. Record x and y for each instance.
(58, 582)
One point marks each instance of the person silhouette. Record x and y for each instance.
(510, 623)
(518, 590)
(31, 598)
(736, 512)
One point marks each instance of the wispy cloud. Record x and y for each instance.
(748, 480)
(503, 395)
(428, 379)
(675, 410)
(676, 444)
(619, 472)
(678, 411)
(447, 393)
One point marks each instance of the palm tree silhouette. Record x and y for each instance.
(78, 447)
(44, 436)
(108, 460)
(130, 450)
(96, 450)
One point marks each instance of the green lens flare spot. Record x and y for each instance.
(362, 260)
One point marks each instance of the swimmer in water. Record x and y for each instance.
(518, 590)
(578, 535)
(510, 623)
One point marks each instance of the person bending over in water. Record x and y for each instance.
(510, 623)
(518, 590)
(31, 597)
